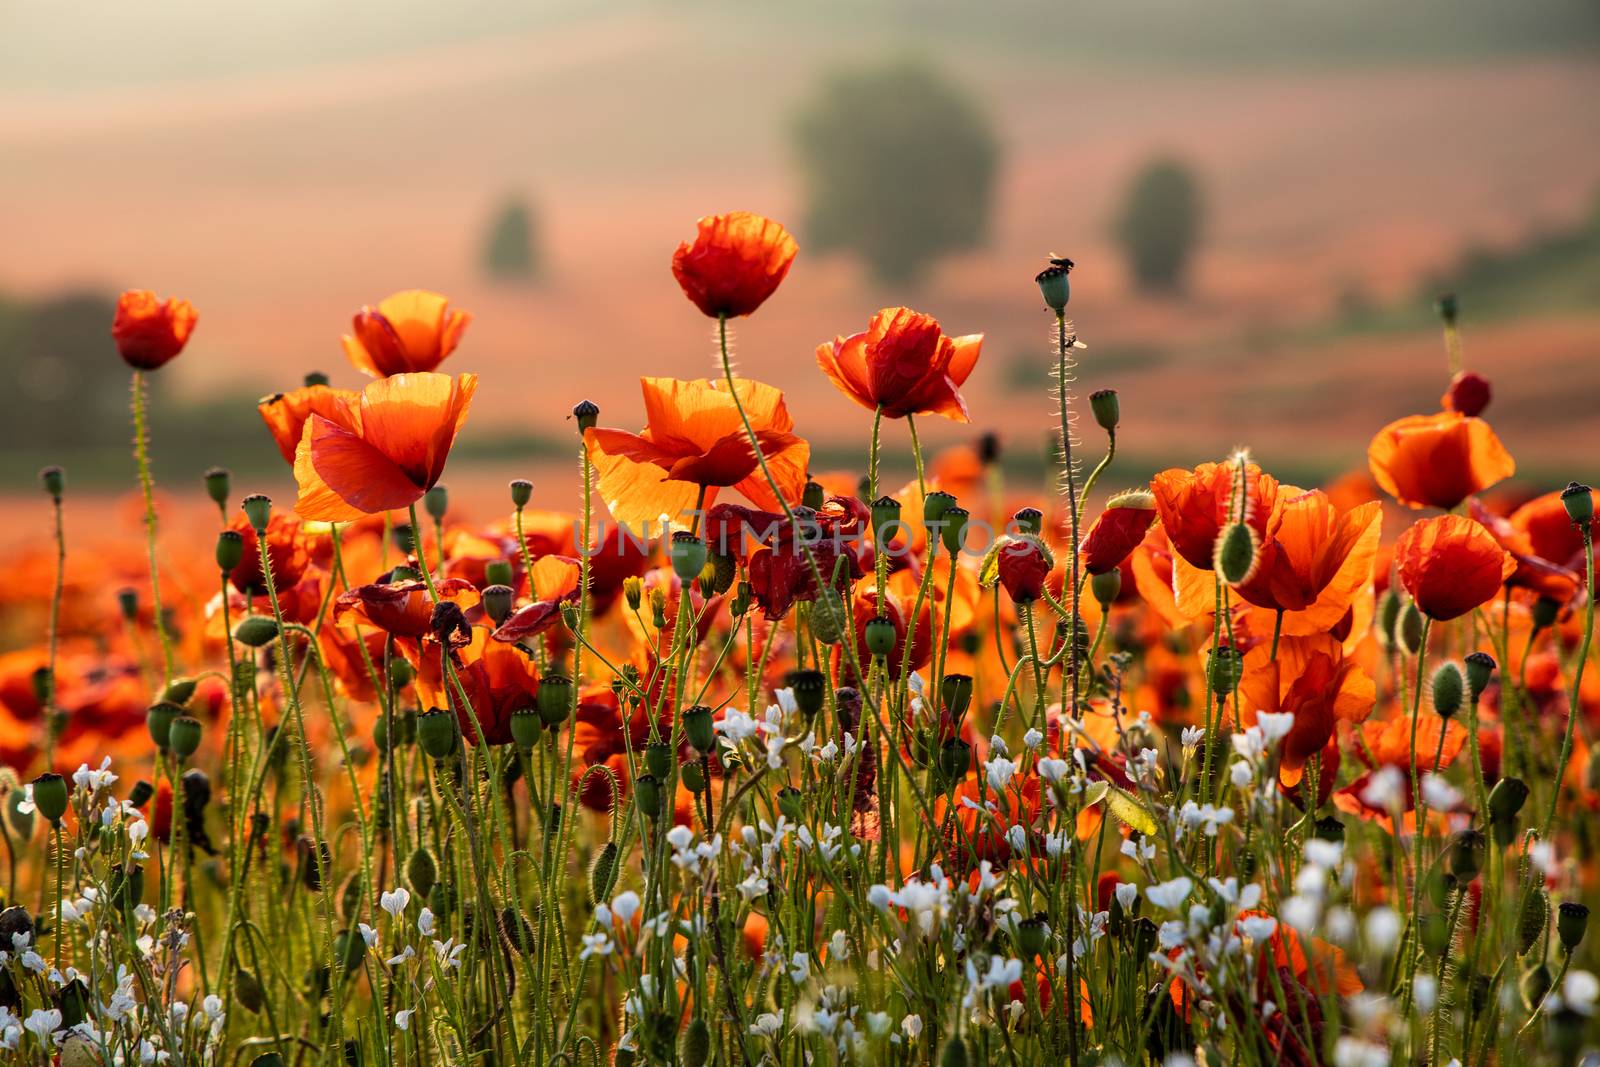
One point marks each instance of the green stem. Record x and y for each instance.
(141, 447)
(1577, 677)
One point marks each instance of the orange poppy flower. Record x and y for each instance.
(1195, 506)
(286, 413)
(904, 364)
(694, 440)
(734, 263)
(383, 452)
(403, 608)
(499, 680)
(1313, 679)
(150, 331)
(410, 331)
(1438, 460)
(1118, 531)
(1307, 545)
(1542, 576)
(1551, 532)
(1450, 565)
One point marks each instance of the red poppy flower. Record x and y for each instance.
(149, 331)
(775, 561)
(1195, 506)
(694, 440)
(1450, 565)
(499, 680)
(1533, 572)
(402, 608)
(1437, 460)
(288, 547)
(286, 413)
(898, 612)
(1022, 565)
(410, 331)
(1118, 531)
(734, 263)
(1468, 394)
(1552, 535)
(904, 364)
(384, 452)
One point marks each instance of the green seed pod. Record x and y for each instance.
(218, 484)
(422, 872)
(954, 531)
(50, 796)
(885, 519)
(1224, 667)
(1578, 499)
(1466, 855)
(954, 1053)
(521, 493)
(267, 1059)
(516, 931)
(497, 602)
(1056, 289)
(1105, 587)
(183, 736)
(791, 802)
(955, 691)
(659, 759)
(587, 412)
(880, 637)
(647, 790)
(1507, 797)
(158, 720)
(256, 631)
(1545, 612)
(694, 777)
(258, 510)
(934, 507)
(1028, 520)
(1448, 689)
(526, 726)
(1237, 553)
(1532, 917)
(442, 898)
(437, 733)
(230, 550)
(955, 757)
(694, 1045)
(437, 502)
(699, 728)
(829, 616)
(810, 691)
(1572, 921)
(1436, 934)
(1031, 936)
(600, 873)
(349, 947)
(54, 482)
(813, 495)
(1107, 408)
(1410, 629)
(400, 672)
(1329, 828)
(688, 554)
(1388, 618)
(1480, 670)
(555, 699)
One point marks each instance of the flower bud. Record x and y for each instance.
(1545, 612)
(183, 736)
(791, 803)
(587, 412)
(659, 759)
(688, 554)
(955, 758)
(600, 872)
(1031, 936)
(1435, 934)
(1023, 564)
(1469, 393)
(230, 550)
(54, 481)
(158, 720)
(1388, 618)
(810, 690)
(128, 603)
(954, 531)
(1053, 283)
(700, 730)
(954, 1053)
(647, 792)
(1572, 921)
(880, 637)
(1533, 915)
(349, 947)
(1447, 308)
(1466, 855)
(1480, 669)
(258, 509)
(436, 732)
(1534, 985)
(50, 796)
(1105, 587)
(1448, 688)
(955, 692)
(1224, 667)
(885, 519)
(1237, 553)
(693, 776)
(219, 482)
(1409, 628)
(422, 871)
(813, 495)
(828, 615)
(1578, 499)
(1507, 797)
(633, 591)
(521, 493)
(437, 502)
(1107, 409)
(497, 603)
(179, 691)
(555, 698)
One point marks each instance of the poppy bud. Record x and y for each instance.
(1480, 668)
(158, 720)
(1028, 520)
(526, 725)
(400, 672)
(1447, 308)
(183, 736)
(955, 757)
(516, 931)
(1237, 553)
(1545, 611)
(1107, 409)
(1532, 917)
(497, 603)
(954, 530)
(813, 495)
(828, 614)
(587, 412)
(880, 637)
(498, 572)
(810, 688)
(555, 698)
(934, 507)
(1468, 394)
(1388, 618)
(1507, 797)
(658, 759)
(1329, 828)
(1409, 628)
(128, 603)
(258, 509)
(1578, 499)
(955, 692)
(349, 947)
(521, 493)
(688, 554)
(1466, 855)
(1448, 688)
(694, 1045)
(1023, 565)
(50, 796)
(700, 730)
(885, 519)
(178, 691)
(791, 803)
(1435, 933)
(218, 483)
(1224, 667)
(693, 776)
(600, 872)
(422, 872)
(1105, 587)
(13, 921)
(1053, 283)
(647, 792)
(1031, 936)
(436, 732)
(1572, 921)
(230, 550)
(54, 481)
(437, 501)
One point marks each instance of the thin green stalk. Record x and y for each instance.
(141, 447)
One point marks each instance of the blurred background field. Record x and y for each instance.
(1339, 164)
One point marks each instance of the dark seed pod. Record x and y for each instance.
(1409, 629)
(1533, 916)
(311, 871)
(1466, 855)
(600, 874)
(810, 690)
(954, 1053)
(694, 1045)
(658, 759)
(516, 931)
(1572, 921)
(1480, 670)
(1507, 797)
(15, 920)
(422, 872)
(247, 990)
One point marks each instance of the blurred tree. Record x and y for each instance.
(1160, 225)
(511, 251)
(899, 167)
(66, 384)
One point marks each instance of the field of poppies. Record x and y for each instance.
(733, 760)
